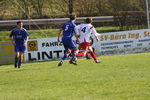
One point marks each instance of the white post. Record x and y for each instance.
(147, 12)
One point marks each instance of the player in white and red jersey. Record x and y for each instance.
(83, 33)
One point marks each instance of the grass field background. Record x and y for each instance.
(119, 77)
(47, 33)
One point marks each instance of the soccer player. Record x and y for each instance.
(19, 38)
(67, 31)
(83, 32)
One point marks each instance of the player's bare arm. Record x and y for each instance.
(97, 39)
(12, 41)
(26, 41)
(59, 35)
(77, 38)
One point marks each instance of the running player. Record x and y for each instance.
(67, 30)
(19, 38)
(83, 32)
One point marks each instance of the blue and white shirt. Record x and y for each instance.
(19, 36)
(68, 30)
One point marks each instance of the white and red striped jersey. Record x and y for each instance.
(85, 31)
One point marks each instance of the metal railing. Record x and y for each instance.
(54, 21)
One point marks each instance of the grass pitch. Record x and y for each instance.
(119, 77)
(47, 33)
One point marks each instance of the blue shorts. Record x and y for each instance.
(20, 49)
(68, 44)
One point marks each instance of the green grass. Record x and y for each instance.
(107, 29)
(47, 33)
(119, 77)
(4, 35)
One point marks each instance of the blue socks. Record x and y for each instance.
(65, 56)
(19, 63)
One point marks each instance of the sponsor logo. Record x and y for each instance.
(32, 45)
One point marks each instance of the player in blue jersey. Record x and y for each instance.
(67, 31)
(19, 38)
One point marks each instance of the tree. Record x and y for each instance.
(103, 7)
(23, 8)
(3, 8)
(85, 7)
(38, 6)
(65, 6)
(61, 8)
(26, 8)
(70, 5)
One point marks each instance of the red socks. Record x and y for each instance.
(80, 54)
(93, 55)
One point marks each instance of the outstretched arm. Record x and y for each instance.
(59, 35)
(11, 38)
(97, 39)
(95, 34)
(25, 43)
(77, 35)
(77, 38)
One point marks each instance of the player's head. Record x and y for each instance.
(88, 20)
(72, 17)
(19, 24)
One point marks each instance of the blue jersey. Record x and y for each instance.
(19, 36)
(68, 30)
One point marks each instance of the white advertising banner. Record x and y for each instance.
(123, 42)
(44, 49)
(110, 43)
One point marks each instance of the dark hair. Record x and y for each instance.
(72, 16)
(88, 20)
(18, 22)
